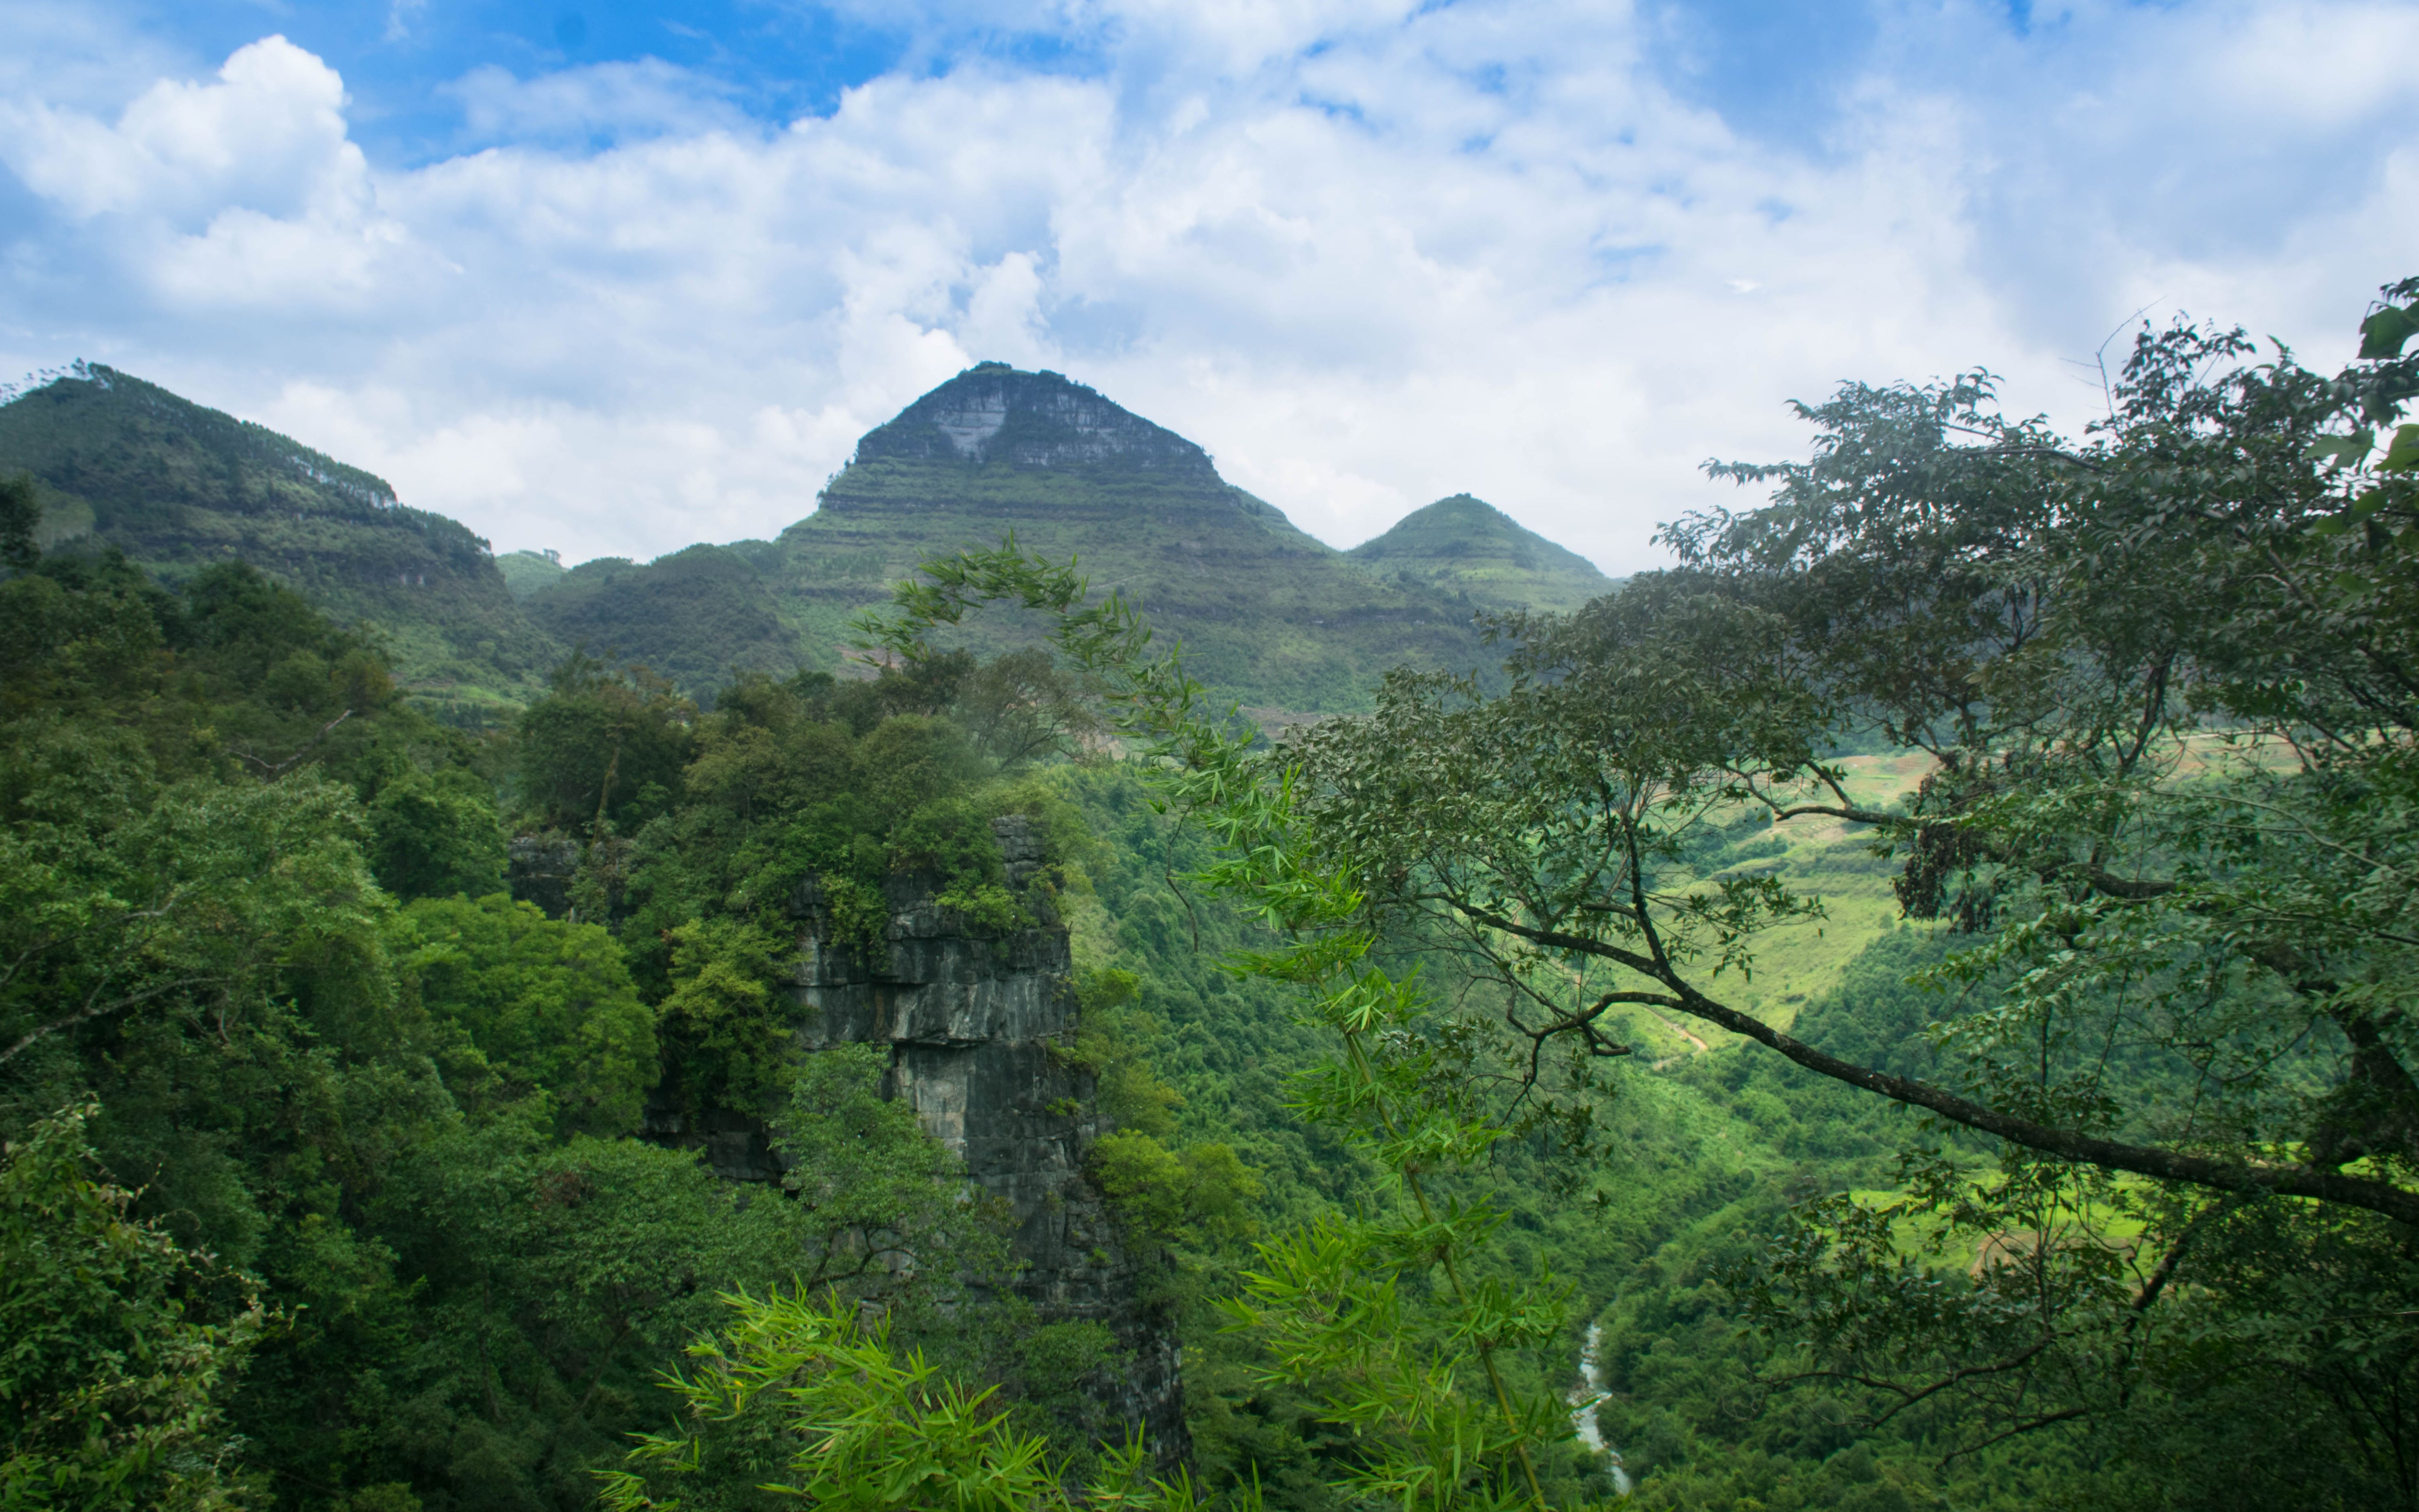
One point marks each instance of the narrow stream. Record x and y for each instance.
(1586, 1398)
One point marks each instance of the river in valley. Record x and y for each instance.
(1586, 1398)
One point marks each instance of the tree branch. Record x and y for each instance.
(271, 773)
(2066, 1144)
(93, 1010)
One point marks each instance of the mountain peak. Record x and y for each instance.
(992, 413)
(1465, 545)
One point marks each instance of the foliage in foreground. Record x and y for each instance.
(813, 1394)
(113, 1392)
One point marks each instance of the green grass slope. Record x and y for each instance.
(178, 487)
(1466, 549)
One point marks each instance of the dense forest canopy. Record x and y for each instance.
(350, 1061)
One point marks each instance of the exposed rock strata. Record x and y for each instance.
(539, 870)
(978, 1027)
(991, 412)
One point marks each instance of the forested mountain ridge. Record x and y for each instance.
(696, 615)
(1269, 615)
(180, 487)
(1273, 617)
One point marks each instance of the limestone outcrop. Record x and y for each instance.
(978, 1026)
(538, 869)
(991, 412)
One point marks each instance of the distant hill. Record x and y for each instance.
(1466, 548)
(178, 487)
(1269, 615)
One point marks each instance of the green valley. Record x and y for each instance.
(1908, 1006)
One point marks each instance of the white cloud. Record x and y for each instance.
(268, 136)
(1368, 253)
(241, 193)
(610, 101)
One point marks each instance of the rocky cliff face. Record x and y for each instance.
(978, 1027)
(992, 413)
(539, 870)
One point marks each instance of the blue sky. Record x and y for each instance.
(613, 278)
(1767, 68)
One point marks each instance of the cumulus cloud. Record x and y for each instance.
(242, 192)
(268, 136)
(1369, 253)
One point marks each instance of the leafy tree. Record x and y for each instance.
(114, 1379)
(1131, 1097)
(81, 634)
(2159, 674)
(189, 901)
(869, 1187)
(21, 516)
(1180, 1197)
(1020, 707)
(533, 1006)
(602, 747)
(436, 835)
(725, 1018)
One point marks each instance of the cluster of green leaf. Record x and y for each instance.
(323, 1187)
(802, 1389)
(111, 1389)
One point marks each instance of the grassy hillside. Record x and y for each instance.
(1471, 551)
(177, 487)
(1270, 616)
